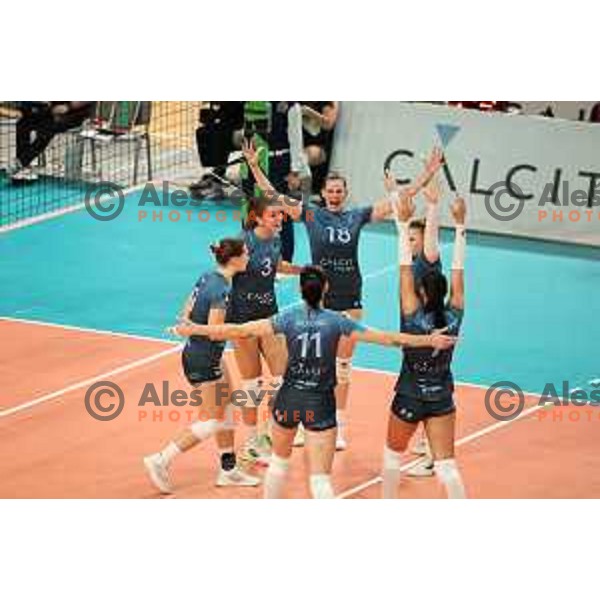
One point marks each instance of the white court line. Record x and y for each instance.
(75, 386)
(460, 442)
(89, 330)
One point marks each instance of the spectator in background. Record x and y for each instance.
(319, 123)
(218, 124)
(548, 112)
(37, 126)
(595, 113)
(288, 168)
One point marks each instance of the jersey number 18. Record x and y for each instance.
(340, 235)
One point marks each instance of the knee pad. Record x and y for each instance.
(320, 487)
(204, 429)
(447, 469)
(448, 473)
(343, 370)
(279, 465)
(392, 460)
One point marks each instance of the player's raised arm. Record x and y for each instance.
(457, 289)
(384, 208)
(431, 244)
(404, 210)
(291, 206)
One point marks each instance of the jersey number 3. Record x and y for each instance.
(267, 267)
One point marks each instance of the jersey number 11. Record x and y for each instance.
(306, 338)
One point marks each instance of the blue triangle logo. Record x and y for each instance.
(446, 133)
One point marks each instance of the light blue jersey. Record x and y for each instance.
(253, 291)
(334, 241)
(312, 340)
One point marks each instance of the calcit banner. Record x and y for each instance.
(521, 175)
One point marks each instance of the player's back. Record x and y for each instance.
(312, 337)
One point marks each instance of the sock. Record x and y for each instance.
(320, 487)
(228, 461)
(392, 462)
(229, 422)
(341, 422)
(252, 389)
(252, 431)
(169, 452)
(276, 477)
(448, 474)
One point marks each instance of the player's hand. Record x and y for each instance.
(434, 161)
(441, 341)
(389, 182)
(458, 209)
(433, 191)
(404, 208)
(183, 328)
(294, 181)
(251, 154)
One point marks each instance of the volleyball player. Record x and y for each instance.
(425, 388)
(252, 298)
(307, 395)
(424, 243)
(205, 370)
(334, 233)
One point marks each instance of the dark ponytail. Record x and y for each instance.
(312, 285)
(226, 249)
(435, 286)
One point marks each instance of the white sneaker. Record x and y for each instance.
(236, 477)
(421, 447)
(264, 448)
(25, 174)
(300, 437)
(256, 451)
(158, 471)
(422, 469)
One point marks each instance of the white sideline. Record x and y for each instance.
(80, 384)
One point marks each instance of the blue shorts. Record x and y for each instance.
(415, 410)
(200, 367)
(244, 313)
(342, 303)
(315, 410)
